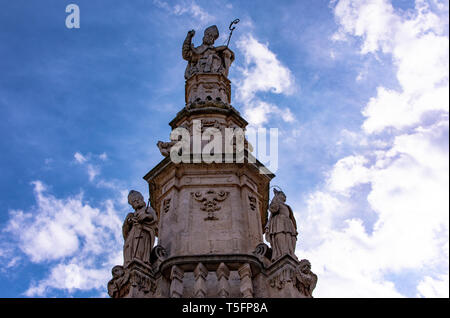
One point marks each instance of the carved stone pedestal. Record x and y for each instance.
(281, 277)
(208, 87)
(137, 281)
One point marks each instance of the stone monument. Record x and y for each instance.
(209, 216)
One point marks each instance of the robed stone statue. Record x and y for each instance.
(281, 229)
(139, 230)
(206, 58)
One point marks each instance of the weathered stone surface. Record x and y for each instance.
(164, 147)
(206, 221)
(305, 279)
(203, 88)
(281, 276)
(264, 254)
(134, 281)
(157, 256)
(142, 282)
(117, 285)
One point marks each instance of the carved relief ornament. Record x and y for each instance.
(210, 200)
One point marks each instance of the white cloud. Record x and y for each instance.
(430, 287)
(70, 277)
(332, 55)
(419, 50)
(92, 170)
(262, 72)
(79, 158)
(8, 258)
(186, 7)
(257, 112)
(80, 242)
(347, 173)
(384, 211)
(368, 19)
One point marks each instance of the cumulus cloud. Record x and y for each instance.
(257, 112)
(79, 158)
(70, 277)
(419, 49)
(92, 169)
(185, 7)
(262, 72)
(92, 172)
(431, 287)
(384, 210)
(8, 259)
(79, 242)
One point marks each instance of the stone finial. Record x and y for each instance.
(245, 273)
(200, 274)
(223, 274)
(176, 284)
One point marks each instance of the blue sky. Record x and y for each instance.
(358, 91)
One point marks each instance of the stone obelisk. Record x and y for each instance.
(209, 206)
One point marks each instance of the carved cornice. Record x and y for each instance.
(208, 108)
(212, 262)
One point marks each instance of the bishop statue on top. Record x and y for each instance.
(206, 58)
